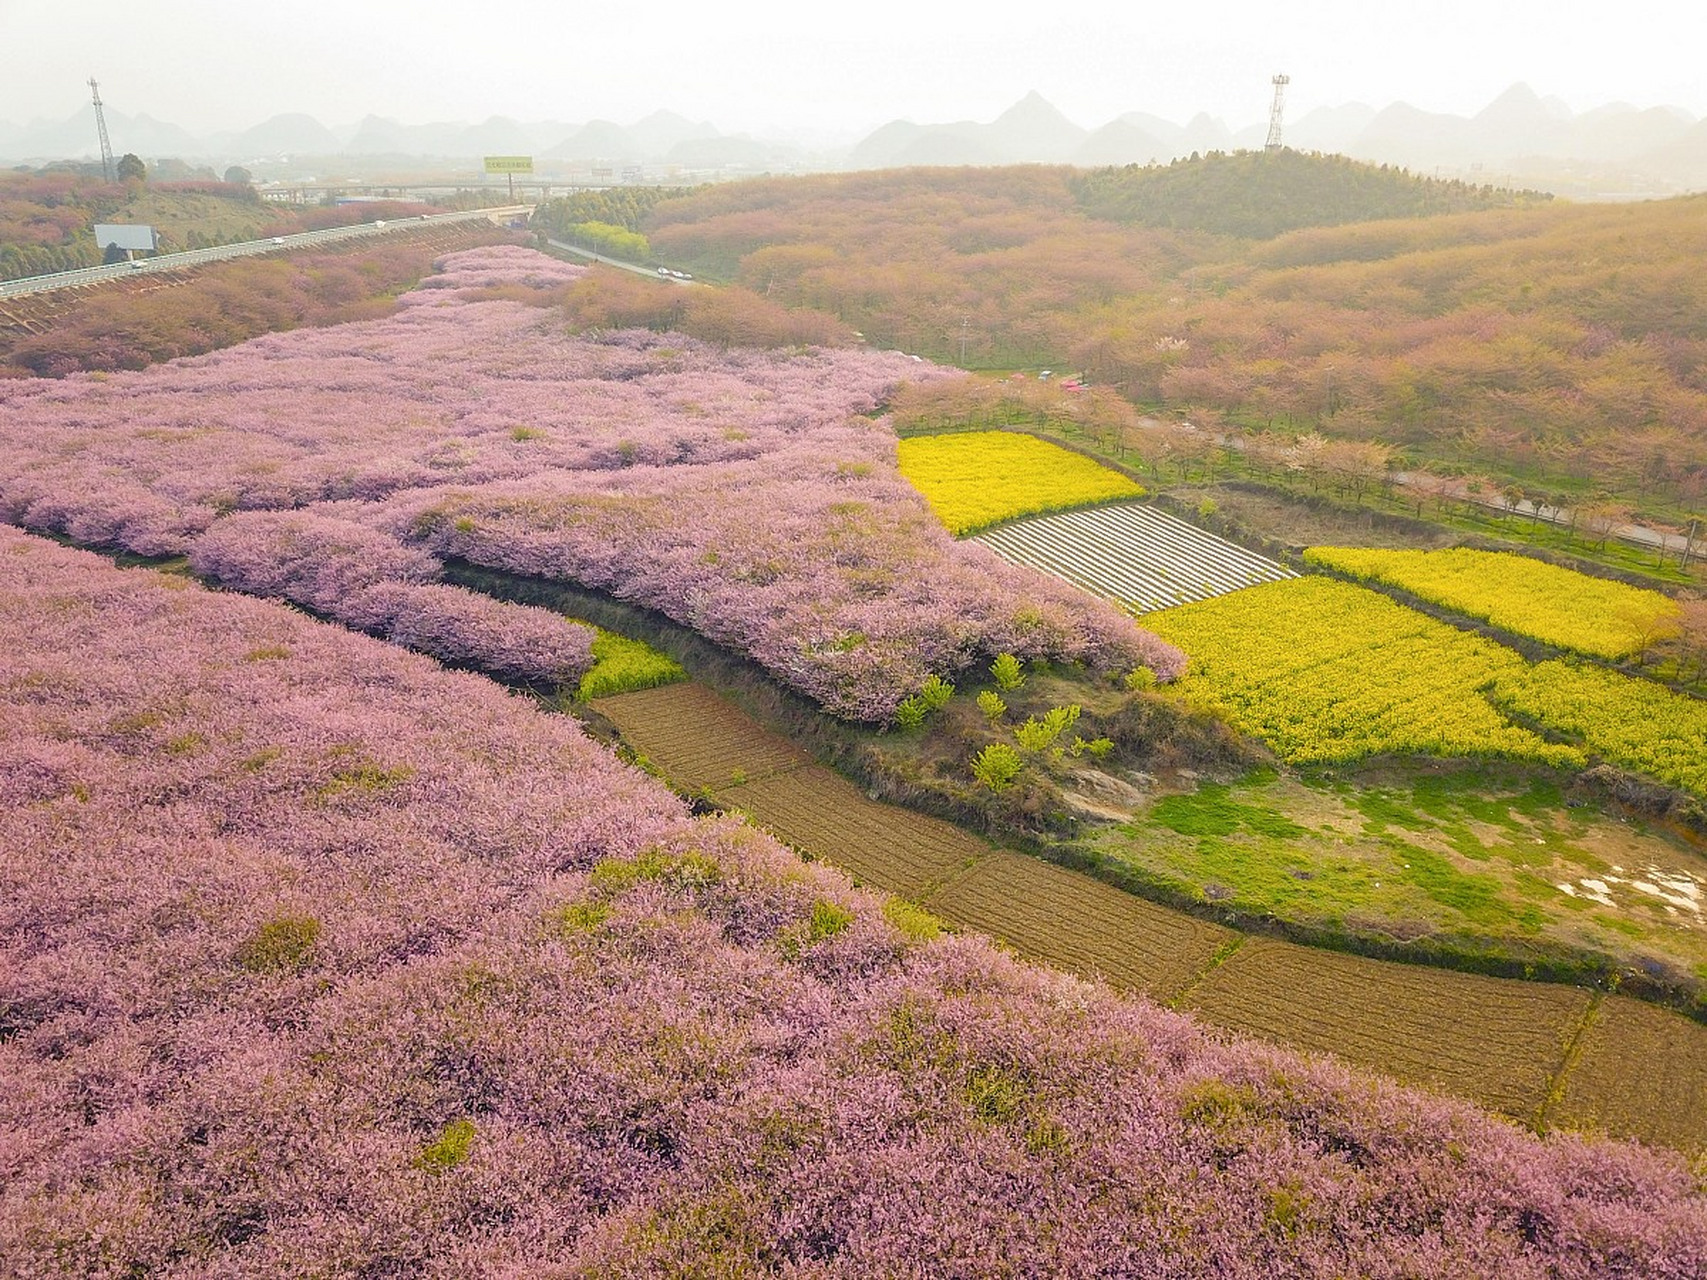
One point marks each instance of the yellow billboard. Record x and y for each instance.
(509, 164)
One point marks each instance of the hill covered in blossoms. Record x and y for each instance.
(751, 495)
(316, 958)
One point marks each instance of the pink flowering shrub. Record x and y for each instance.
(369, 581)
(318, 959)
(743, 493)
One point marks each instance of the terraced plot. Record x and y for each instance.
(822, 813)
(1493, 1040)
(1132, 554)
(1063, 918)
(1641, 1073)
(695, 738)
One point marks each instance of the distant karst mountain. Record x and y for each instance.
(1521, 138)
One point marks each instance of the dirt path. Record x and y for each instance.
(1534, 1051)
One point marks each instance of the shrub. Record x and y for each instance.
(910, 712)
(912, 922)
(935, 693)
(1140, 678)
(996, 766)
(1037, 736)
(991, 704)
(1006, 672)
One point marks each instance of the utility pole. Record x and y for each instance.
(965, 326)
(101, 124)
(1275, 111)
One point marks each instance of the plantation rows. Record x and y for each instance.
(1500, 1042)
(1136, 555)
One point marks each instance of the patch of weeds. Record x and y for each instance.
(691, 870)
(997, 1094)
(280, 945)
(1383, 809)
(185, 744)
(268, 653)
(260, 760)
(912, 922)
(364, 777)
(449, 1149)
(1212, 811)
(581, 917)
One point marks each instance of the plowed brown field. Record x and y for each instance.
(1641, 1073)
(822, 813)
(1067, 919)
(1494, 1040)
(696, 739)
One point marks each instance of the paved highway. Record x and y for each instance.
(191, 257)
(648, 272)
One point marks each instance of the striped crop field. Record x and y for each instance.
(1641, 1073)
(695, 738)
(1496, 1041)
(1069, 920)
(821, 813)
(1133, 554)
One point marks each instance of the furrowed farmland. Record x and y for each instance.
(1500, 1042)
(330, 944)
(1137, 556)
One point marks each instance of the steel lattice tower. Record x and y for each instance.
(101, 124)
(1274, 113)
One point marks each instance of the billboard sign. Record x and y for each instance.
(509, 164)
(135, 239)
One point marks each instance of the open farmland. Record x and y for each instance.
(1135, 555)
(1326, 673)
(979, 478)
(1633, 723)
(1523, 596)
(1064, 918)
(1490, 1039)
(1639, 1071)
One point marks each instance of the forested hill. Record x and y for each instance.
(1260, 194)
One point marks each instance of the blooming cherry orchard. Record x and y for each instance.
(319, 959)
(745, 493)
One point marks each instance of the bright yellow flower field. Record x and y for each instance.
(976, 479)
(1517, 594)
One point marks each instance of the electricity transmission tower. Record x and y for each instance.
(1274, 112)
(101, 124)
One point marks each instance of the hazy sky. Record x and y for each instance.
(841, 69)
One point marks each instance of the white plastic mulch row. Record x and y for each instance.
(1133, 554)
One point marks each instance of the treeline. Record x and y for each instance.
(625, 207)
(1563, 347)
(1263, 194)
(135, 323)
(47, 220)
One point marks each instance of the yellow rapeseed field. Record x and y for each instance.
(1517, 594)
(976, 479)
(1326, 672)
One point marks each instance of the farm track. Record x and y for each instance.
(1133, 554)
(1637, 1071)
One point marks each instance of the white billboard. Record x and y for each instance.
(132, 238)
